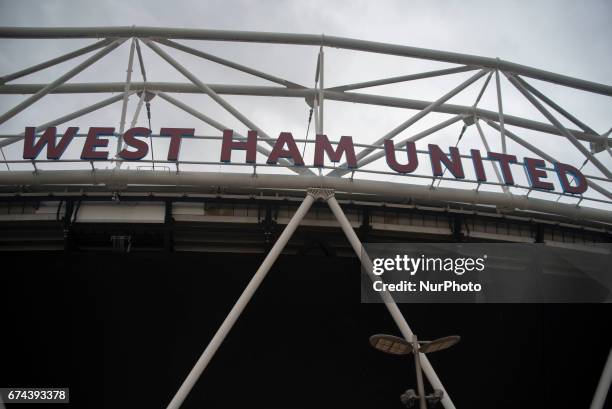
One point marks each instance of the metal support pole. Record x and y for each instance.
(395, 312)
(559, 126)
(50, 87)
(500, 111)
(68, 117)
(227, 63)
(403, 78)
(315, 108)
(138, 109)
(599, 399)
(126, 90)
(419, 373)
(594, 146)
(391, 134)
(267, 91)
(555, 106)
(321, 92)
(4, 158)
(240, 305)
(482, 90)
(54, 61)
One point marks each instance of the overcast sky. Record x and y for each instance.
(568, 37)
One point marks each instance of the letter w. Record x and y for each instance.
(31, 150)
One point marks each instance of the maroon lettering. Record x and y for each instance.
(413, 160)
(279, 151)
(345, 146)
(229, 144)
(92, 141)
(562, 172)
(504, 163)
(54, 151)
(176, 135)
(453, 164)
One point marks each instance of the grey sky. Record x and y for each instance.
(567, 37)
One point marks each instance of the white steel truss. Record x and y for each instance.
(109, 38)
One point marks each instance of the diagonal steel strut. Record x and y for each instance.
(240, 305)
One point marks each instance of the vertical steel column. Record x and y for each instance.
(138, 108)
(419, 373)
(500, 111)
(315, 107)
(51, 86)
(242, 302)
(599, 399)
(321, 96)
(126, 90)
(395, 312)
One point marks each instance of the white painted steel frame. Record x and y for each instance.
(262, 271)
(240, 304)
(603, 387)
(303, 39)
(400, 192)
(271, 91)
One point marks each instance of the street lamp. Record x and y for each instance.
(393, 345)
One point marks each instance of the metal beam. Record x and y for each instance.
(495, 166)
(546, 156)
(500, 110)
(603, 387)
(381, 153)
(54, 61)
(49, 87)
(266, 91)
(303, 39)
(240, 305)
(141, 62)
(126, 95)
(413, 119)
(555, 106)
(366, 189)
(141, 100)
(559, 109)
(215, 97)
(403, 78)
(392, 307)
(482, 90)
(68, 117)
(321, 71)
(228, 63)
(559, 126)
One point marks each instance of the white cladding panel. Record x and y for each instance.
(121, 212)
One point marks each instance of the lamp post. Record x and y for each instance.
(393, 345)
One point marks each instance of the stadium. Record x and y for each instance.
(152, 245)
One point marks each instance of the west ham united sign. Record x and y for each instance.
(404, 161)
